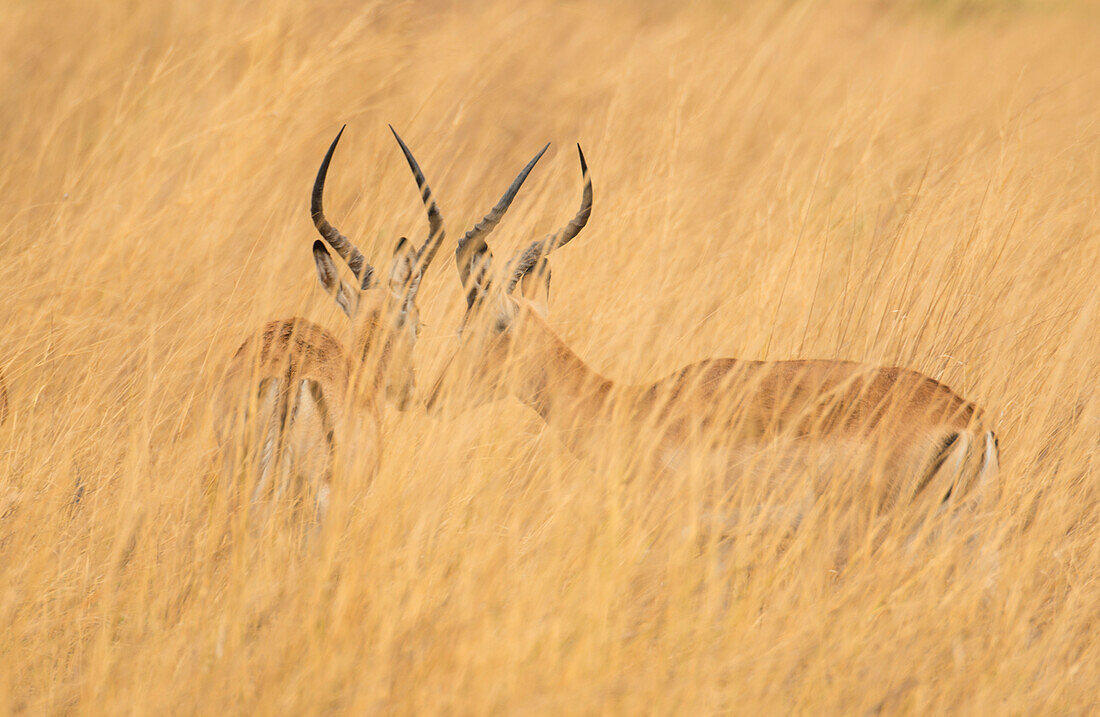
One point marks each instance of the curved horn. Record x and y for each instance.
(531, 255)
(347, 251)
(473, 245)
(435, 220)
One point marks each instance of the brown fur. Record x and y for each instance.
(295, 384)
(909, 432)
(294, 393)
(895, 420)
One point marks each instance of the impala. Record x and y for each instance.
(912, 433)
(3, 400)
(294, 391)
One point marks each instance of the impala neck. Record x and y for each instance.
(553, 380)
(372, 353)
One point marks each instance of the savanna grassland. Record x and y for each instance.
(912, 183)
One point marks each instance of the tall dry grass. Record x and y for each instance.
(911, 183)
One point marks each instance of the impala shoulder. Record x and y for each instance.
(709, 371)
(298, 336)
(699, 379)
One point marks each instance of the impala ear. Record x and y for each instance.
(534, 287)
(345, 294)
(478, 279)
(404, 272)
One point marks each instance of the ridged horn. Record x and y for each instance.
(340, 244)
(472, 246)
(530, 256)
(436, 232)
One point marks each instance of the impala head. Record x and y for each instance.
(381, 304)
(502, 303)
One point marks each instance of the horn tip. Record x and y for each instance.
(539, 155)
(336, 141)
(404, 147)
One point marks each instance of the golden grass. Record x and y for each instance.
(911, 184)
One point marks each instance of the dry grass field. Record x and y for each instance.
(911, 183)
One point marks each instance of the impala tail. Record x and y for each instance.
(965, 467)
(991, 460)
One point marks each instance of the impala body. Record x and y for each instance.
(906, 433)
(294, 392)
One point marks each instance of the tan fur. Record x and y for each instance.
(897, 418)
(912, 435)
(292, 394)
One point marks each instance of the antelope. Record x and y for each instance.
(916, 436)
(301, 390)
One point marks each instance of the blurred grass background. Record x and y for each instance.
(911, 183)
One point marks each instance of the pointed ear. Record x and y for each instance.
(344, 293)
(477, 277)
(404, 273)
(534, 287)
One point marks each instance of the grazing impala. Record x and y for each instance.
(294, 391)
(911, 434)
